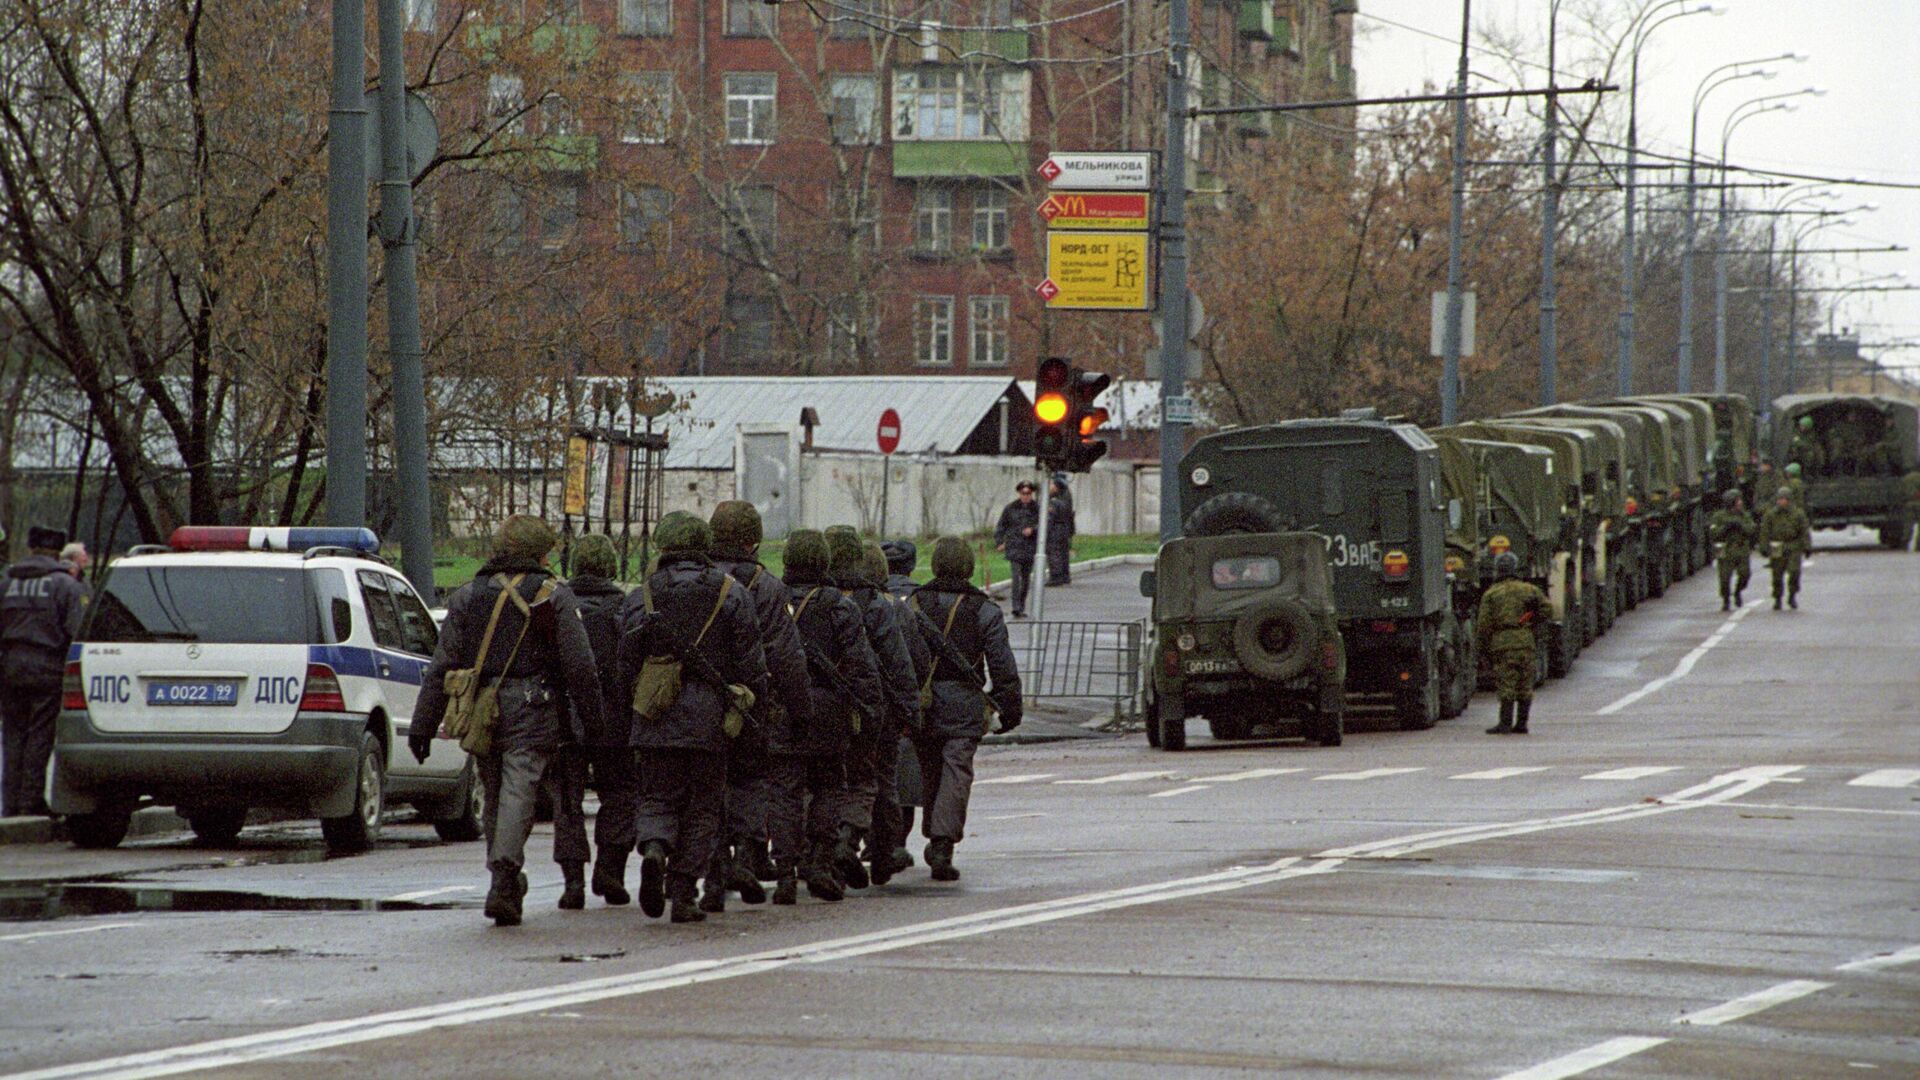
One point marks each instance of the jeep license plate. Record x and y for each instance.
(1211, 667)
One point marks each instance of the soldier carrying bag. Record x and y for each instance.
(473, 708)
(661, 677)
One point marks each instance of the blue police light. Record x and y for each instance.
(243, 538)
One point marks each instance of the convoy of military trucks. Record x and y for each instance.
(1337, 564)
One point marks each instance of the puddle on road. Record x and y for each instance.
(39, 901)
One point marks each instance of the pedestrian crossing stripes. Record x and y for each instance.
(1635, 772)
(1184, 784)
(1886, 778)
(1368, 774)
(1500, 774)
(1119, 778)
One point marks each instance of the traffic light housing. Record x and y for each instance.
(1066, 421)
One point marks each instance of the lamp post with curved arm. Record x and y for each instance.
(1821, 220)
(1769, 103)
(1788, 199)
(1871, 284)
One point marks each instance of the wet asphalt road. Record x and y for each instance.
(1715, 878)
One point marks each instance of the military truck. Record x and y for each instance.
(1622, 526)
(1736, 442)
(1245, 633)
(1372, 487)
(1691, 425)
(1460, 486)
(1677, 499)
(1852, 454)
(1647, 541)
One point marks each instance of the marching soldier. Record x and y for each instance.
(888, 834)
(1804, 449)
(1017, 534)
(970, 629)
(1761, 486)
(1796, 487)
(606, 751)
(1731, 532)
(690, 625)
(742, 861)
(40, 609)
(514, 631)
(902, 557)
(1512, 612)
(1787, 536)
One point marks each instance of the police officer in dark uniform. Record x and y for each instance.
(606, 753)
(1060, 530)
(40, 609)
(695, 613)
(902, 557)
(1017, 534)
(742, 860)
(539, 652)
(809, 755)
(959, 715)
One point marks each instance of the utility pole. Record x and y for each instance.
(1549, 227)
(398, 235)
(1766, 330)
(1683, 382)
(1173, 269)
(1720, 291)
(347, 270)
(1450, 341)
(1623, 367)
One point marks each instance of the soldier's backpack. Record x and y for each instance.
(658, 685)
(989, 709)
(473, 707)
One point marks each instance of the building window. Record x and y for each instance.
(949, 103)
(854, 19)
(559, 213)
(751, 18)
(752, 226)
(646, 18)
(750, 115)
(933, 330)
(643, 218)
(990, 219)
(557, 116)
(749, 329)
(507, 102)
(420, 15)
(649, 107)
(933, 219)
(507, 224)
(856, 108)
(562, 9)
(987, 330)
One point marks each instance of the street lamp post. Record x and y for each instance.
(1549, 227)
(1766, 295)
(1773, 104)
(1821, 220)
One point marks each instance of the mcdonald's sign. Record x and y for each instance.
(1097, 210)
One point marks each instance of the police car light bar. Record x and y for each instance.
(242, 538)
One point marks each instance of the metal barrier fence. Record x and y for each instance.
(1082, 660)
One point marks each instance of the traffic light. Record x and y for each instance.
(1088, 419)
(1066, 420)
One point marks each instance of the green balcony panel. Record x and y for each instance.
(557, 153)
(1009, 45)
(1256, 20)
(929, 160)
(576, 42)
(1282, 42)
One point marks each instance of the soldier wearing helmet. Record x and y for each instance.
(1786, 536)
(1731, 531)
(1512, 612)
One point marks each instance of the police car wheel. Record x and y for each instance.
(468, 806)
(104, 828)
(356, 831)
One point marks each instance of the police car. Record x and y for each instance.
(241, 668)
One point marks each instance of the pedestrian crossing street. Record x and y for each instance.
(1172, 783)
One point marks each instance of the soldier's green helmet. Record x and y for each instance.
(1806, 423)
(1784, 494)
(844, 557)
(873, 563)
(1793, 468)
(594, 554)
(736, 526)
(807, 554)
(681, 531)
(1505, 565)
(523, 536)
(952, 559)
(1730, 496)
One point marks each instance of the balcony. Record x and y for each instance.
(1009, 46)
(554, 153)
(576, 42)
(959, 160)
(1281, 44)
(1255, 21)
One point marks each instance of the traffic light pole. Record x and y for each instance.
(1173, 270)
(1037, 595)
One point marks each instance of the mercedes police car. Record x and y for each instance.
(242, 668)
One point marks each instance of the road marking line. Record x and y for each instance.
(1178, 791)
(1632, 772)
(71, 930)
(1886, 778)
(1119, 778)
(1015, 817)
(1500, 774)
(1686, 663)
(1369, 774)
(1250, 774)
(1748, 1004)
(1591, 1058)
(1884, 961)
(424, 893)
(1023, 778)
(310, 1038)
(1819, 809)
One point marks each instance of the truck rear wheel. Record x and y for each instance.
(1173, 724)
(1420, 709)
(1560, 649)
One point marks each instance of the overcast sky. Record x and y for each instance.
(1865, 53)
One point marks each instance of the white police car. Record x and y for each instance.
(239, 668)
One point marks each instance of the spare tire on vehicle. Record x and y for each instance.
(1235, 512)
(1276, 640)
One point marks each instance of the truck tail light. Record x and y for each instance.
(322, 693)
(1395, 566)
(1329, 656)
(1173, 662)
(73, 691)
(1382, 626)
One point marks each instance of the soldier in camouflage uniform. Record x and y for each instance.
(1785, 535)
(1512, 612)
(1910, 487)
(1796, 487)
(1731, 532)
(1805, 449)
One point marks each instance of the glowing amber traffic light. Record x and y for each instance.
(1092, 420)
(1051, 408)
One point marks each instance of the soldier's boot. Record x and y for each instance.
(503, 898)
(762, 859)
(686, 911)
(902, 859)
(880, 863)
(573, 894)
(1520, 718)
(1505, 726)
(1793, 599)
(818, 872)
(609, 877)
(1739, 598)
(940, 860)
(741, 875)
(1776, 601)
(846, 859)
(653, 879)
(713, 892)
(786, 890)
(1726, 601)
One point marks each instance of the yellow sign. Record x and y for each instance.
(576, 495)
(1096, 270)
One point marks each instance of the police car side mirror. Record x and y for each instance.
(1147, 579)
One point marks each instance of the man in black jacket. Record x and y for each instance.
(595, 564)
(539, 651)
(1060, 529)
(958, 717)
(695, 613)
(902, 557)
(40, 609)
(1017, 534)
(738, 862)
(809, 760)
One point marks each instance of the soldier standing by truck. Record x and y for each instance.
(1787, 536)
(1512, 612)
(1731, 531)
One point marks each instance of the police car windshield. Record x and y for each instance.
(241, 605)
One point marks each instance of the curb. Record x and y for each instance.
(151, 821)
(1001, 588)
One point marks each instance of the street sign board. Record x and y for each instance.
(1099, 172)
(1096, 210)
(1104, 271)
(1437, 342)
(1179, 410)
(889, 433)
